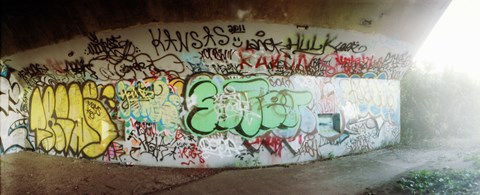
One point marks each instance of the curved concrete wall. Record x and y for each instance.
(212, 94)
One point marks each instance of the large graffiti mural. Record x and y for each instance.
(205, 95)
(151, 101)
(244, 105)
(72, 119)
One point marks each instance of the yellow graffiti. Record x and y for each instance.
(73, 119)
(177, 84)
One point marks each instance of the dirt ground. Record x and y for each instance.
(371, 173)
(33, 173)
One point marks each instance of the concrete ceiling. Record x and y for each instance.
(29, 24)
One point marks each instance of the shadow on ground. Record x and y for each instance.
(376, 171)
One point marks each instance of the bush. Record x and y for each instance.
(445, 104)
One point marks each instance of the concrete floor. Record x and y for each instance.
(32, 173)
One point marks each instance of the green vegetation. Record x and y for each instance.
(446, 181)
(439, 105)
(331, 156)
(475, 158)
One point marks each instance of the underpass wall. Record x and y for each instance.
(210, 94)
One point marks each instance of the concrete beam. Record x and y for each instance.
(30, 24)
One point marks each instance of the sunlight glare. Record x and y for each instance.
(455, 40)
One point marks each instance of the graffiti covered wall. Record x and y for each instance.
(205, 95)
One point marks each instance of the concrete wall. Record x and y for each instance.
(216, 94)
